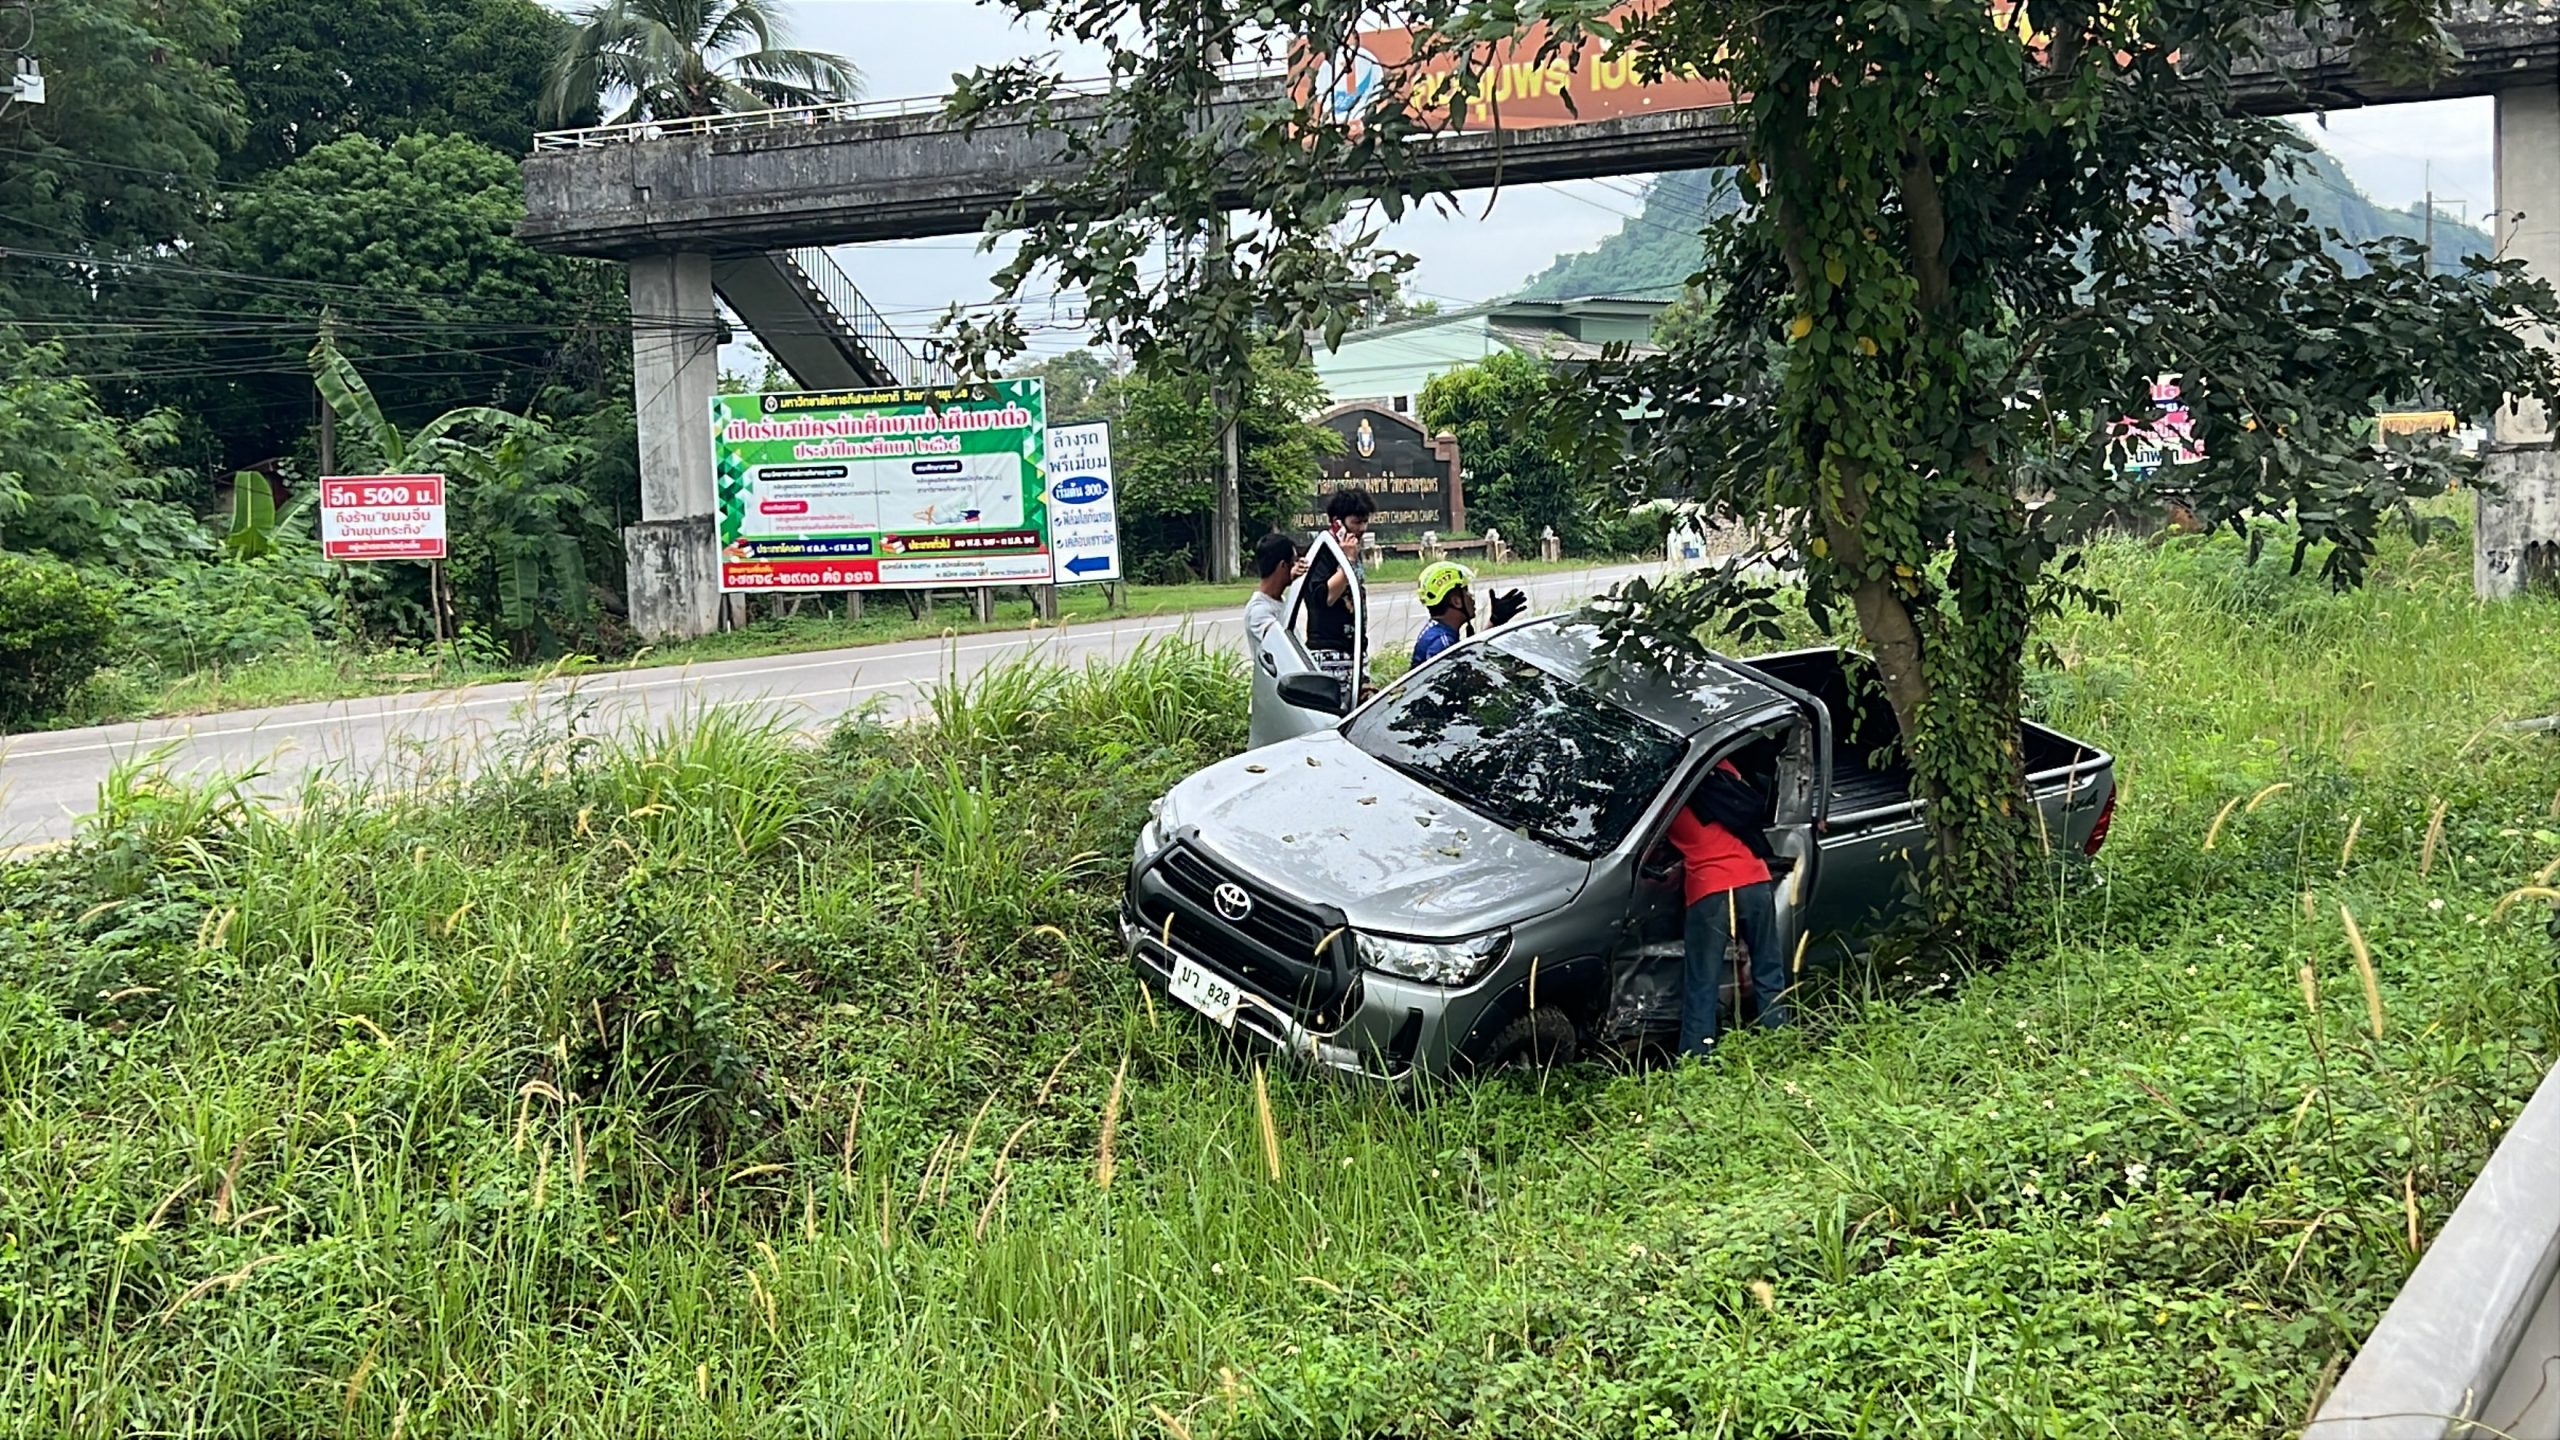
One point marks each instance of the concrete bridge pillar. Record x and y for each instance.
(2517, 545)
(673, 554)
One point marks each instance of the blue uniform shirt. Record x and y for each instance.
(1435, 637)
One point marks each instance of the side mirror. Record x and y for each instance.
(1310, 690)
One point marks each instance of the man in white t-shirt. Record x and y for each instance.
(1276, 560)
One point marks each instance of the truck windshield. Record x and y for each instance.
(1536, 753)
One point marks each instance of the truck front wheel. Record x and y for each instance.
(1538, 1040)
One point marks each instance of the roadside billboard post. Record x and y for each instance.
(904, 487)
(387, 517)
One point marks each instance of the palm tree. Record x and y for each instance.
(677, 58)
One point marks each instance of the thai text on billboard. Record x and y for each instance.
(1511, 86)
(906, 486)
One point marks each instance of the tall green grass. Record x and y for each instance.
(139, 690)
(698, 1081)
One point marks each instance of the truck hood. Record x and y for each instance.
(1322, 820)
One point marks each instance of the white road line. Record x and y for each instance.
(624, 682)
(604, 685)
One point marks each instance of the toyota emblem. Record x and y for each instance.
(1231, 901)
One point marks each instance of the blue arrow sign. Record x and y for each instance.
(1084, 564)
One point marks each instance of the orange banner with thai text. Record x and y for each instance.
(1511, 87)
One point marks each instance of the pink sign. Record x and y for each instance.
(2168, 440)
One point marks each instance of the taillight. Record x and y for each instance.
(2106, 818)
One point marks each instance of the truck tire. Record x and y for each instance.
(1536, 1041)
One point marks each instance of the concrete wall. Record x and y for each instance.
(674, 573)
(2475, 1333)
(1634, 327)
(2516, 546)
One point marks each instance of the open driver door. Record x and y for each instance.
(1291, 695)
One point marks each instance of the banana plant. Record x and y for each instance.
(253, 516)
(255, 520)
(518, 518)
(422, 451)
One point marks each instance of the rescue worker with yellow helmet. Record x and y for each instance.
(1446, 591)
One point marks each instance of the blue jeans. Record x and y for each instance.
(1712, 921)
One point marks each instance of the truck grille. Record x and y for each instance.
(1273, 949)
(1272, 921)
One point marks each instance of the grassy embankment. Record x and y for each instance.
(707, 1083)
(326, 672)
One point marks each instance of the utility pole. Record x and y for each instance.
(1226, 521)
(328, 412)
(2430, 173)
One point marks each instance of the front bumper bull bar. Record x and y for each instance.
(1259, 1017)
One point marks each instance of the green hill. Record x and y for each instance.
(1657, 249)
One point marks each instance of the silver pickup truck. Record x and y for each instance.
(1470, 870)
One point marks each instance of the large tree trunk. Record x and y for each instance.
(1950, 662)
(1954, 676)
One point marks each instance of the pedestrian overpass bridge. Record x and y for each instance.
(898, 170)
(742, 206)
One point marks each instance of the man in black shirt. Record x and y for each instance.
(1336, 593)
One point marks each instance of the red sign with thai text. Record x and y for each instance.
(382, 517)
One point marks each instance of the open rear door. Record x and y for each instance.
(1803, 775)
(1280, 655)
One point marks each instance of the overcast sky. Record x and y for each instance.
(913, 47)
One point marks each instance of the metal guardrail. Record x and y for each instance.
(2470, 1349)
(791, 117)
(825, 280)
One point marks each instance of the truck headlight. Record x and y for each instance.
(1451, 962)
(1150, 843)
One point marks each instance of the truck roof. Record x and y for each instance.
(1703, 694)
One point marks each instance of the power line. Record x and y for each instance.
(418, 309)
(61, 156)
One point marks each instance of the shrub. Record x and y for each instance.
(668, 1031)
(232, 612)
(56, 629)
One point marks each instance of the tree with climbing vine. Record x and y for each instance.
(1974, 239)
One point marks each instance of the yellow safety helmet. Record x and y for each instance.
(1438, 579)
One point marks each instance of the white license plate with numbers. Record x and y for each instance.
(1196, 986)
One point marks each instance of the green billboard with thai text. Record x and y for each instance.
(900, 487)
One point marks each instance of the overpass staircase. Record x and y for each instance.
(809, 315)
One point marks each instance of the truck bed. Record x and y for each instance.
(1867, 769)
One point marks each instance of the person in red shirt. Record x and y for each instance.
(1725, 883)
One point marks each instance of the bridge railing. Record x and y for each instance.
(826, 279)
(2320, 34)
(790, 117)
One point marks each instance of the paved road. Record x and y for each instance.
(48, 780)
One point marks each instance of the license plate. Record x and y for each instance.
(1194, 985)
